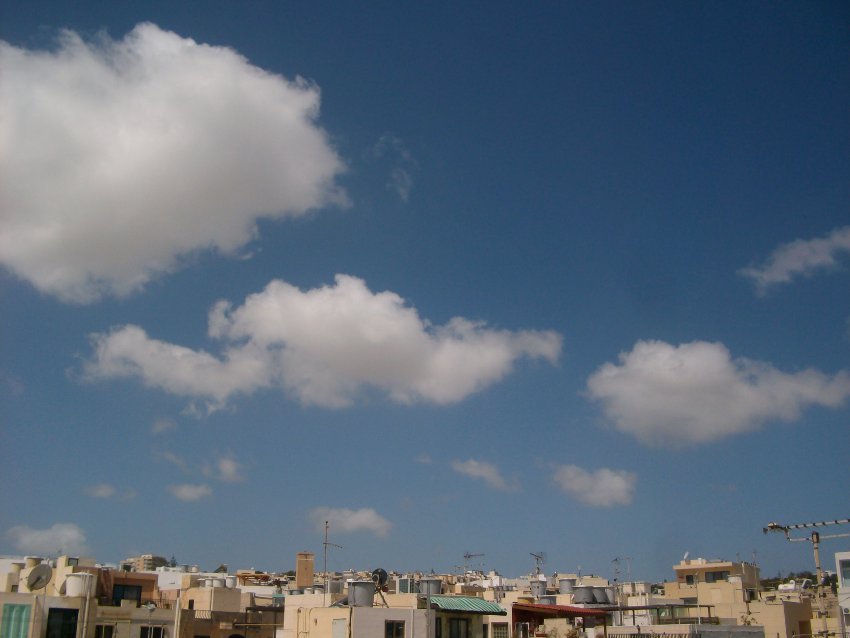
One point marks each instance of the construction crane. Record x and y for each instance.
(815, 538)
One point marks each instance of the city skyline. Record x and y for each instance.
(495, 279)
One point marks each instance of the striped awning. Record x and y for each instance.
(467, 605)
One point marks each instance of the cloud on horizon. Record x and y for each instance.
(486, 472)
(667, 395)
(603, 487)
(65, 538)
(802, 257)
(325, 347)
(121, 158)
(346, 520)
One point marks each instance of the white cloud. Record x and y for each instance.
(163, 425)
(695, 392)
(64, 538)
(800, 257)
(599, 488)
(190, 492)
(347, 520)
(225, 469)
(101, 490)
(324, 346)
(120, 158)
(484, 471)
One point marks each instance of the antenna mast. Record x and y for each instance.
(815, 540)
(325, 546)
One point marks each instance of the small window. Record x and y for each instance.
(500, 629)
(690, 579)
(104, 631)
(394, 629)
(150, 632)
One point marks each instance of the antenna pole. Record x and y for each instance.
(325, 545)
(815, 540)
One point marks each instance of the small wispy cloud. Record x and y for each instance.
(599, 488)
(801, 257)
(225, 469)
(175, 459)
(189, 492)
(486, 472)
(163, 424)
(349, 520)
(400, 180)
(105, 491)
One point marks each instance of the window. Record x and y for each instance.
(103, 631)
(458, 628)
(126, 592)
(394, 629)
(15, 621)
(690, 579)
(62, 623)
(151, 632)
(499, 630)
(486, 628)
(716, 577)
(844, 568)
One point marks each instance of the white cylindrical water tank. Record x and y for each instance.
(600, 596)
(230, 582)
(361, 593)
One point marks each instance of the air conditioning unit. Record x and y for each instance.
(847, 610)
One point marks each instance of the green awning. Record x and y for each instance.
(467, 604)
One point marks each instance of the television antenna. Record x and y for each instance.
(466, 558)
(815, 538)
(539, 559)
(325, 545)
(628, 561)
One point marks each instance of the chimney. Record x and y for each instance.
(304, 570)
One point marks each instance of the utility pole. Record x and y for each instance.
(815, 538)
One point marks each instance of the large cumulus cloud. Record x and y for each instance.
(324, 346)
(695, 392)
(119, 158)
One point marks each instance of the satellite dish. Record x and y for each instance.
(685, 557)
(379, 577)
(39, 577)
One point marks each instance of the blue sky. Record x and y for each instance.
(496, 278)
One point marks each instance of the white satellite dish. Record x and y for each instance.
(39, 577)
(685, 557)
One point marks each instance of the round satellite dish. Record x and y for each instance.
(379, 577)
(39, 577)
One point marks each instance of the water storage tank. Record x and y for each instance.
(430, 586)
(335, 586)
(78, 584)
(230, 582)
(361, 593)
(611, 594)
(565, 585)
(538, 588)
(583, 594)
(599, 596)
(547, 600)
